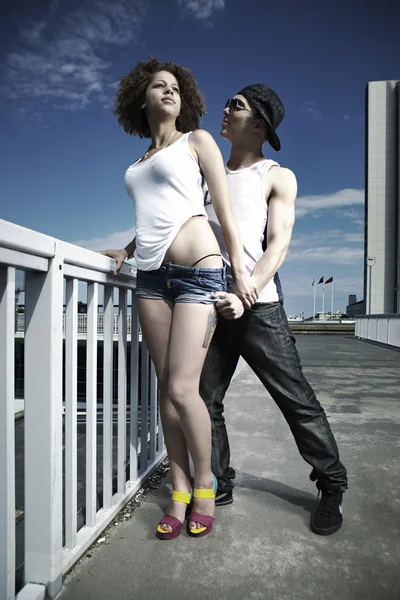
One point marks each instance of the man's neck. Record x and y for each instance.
(243, 156)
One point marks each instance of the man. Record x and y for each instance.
(263, 196)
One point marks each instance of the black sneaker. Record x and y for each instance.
(223, 498)
(328, 517)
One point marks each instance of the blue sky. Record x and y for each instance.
(65, 155)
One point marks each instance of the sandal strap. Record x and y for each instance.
(171, 521)
(206, 493)
(180, 497)
(205, 520)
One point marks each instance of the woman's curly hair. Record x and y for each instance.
(132, 91)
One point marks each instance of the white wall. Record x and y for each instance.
(383, 220)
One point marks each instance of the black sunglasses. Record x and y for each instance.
(233, 104)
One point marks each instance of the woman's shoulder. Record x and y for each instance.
(200, 137)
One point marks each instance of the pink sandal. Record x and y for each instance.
(206, 521)
(173, 522)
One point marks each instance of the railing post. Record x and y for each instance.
(7, 470)
(108, 397)
(91, 405)
(43, 427)
(144, 403)
(153, 412)
(71, 364)
(133, 453)
(122, 366)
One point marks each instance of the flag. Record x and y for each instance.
(330, 280)
(321, 280)
(313, 282)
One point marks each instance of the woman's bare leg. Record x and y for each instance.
(192, 328)
(155, 319)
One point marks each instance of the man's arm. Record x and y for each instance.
(281, 217)
(212, 165)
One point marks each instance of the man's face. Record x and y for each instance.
(239, 120)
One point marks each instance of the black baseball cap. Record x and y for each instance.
(268, 104)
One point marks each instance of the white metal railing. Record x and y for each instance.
(52, 271)
(81, 323)
(384, 329)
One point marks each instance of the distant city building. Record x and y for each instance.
(355, 308)
(328, 316)
(382, 198)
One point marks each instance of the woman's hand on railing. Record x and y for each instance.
(119, 256)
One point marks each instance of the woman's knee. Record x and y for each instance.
(181, 393)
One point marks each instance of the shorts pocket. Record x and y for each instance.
(211, 285)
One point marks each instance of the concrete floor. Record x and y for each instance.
(261, 546)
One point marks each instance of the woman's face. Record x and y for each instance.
(163, 96)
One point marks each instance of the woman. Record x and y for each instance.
(179, 267)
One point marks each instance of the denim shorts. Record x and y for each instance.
(181, 284)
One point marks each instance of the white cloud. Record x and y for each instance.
(352, 118)
(315, 114)
(64, 59)
(111, 241)
(201, 9)
(353, 238)
(334, 246)
(327, 255)
(101, 22)
(63, 54)
(32, 31)
(356, 216)
(336, 237)
(349, 237)
(311, 204)
(311, 110)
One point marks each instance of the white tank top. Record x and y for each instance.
(247, 190)
(166, 190)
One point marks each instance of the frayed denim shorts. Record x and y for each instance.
(181, 284)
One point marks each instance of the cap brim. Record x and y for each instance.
(273, 139)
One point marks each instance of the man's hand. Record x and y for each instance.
(230, 307)
(120, 257)
(245, 287)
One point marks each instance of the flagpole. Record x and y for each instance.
(323, 300)
(332, 302)
(315, 281)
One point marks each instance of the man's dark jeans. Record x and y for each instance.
(264, 339)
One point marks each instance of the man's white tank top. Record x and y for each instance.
(247, 190)
(166, 191)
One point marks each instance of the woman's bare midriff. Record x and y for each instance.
(194, 240)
